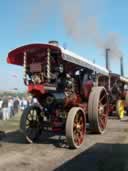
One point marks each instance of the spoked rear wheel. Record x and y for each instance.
(75, 127)
(98, 110)
(30, 123)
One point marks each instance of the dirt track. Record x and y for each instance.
(99, 153)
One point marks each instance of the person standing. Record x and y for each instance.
(5, 109)
(1, 113)
(10, 107)
(16, 105)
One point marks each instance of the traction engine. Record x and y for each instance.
(67, 92)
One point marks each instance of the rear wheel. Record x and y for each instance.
(30, 123)
(120, 109)
(75, 127)
(98, 110)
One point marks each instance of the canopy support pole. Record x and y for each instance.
(25, 65)
(48, 65)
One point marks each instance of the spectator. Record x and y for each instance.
(5, 109)
(24, 103)
(34, 100)
(21, 104)
(1, 113)
(16, 105)
(1, 101)
(10, 107)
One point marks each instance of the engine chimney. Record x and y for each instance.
(53, 42)
(107, 59)
(121, 66)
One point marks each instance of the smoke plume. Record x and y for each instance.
(38, 12)
(80, 18)
(84, 27)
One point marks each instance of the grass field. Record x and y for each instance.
(11, 124)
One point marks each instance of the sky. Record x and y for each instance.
(85, 27)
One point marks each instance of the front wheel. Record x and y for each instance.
(75, 127)
(30, 123)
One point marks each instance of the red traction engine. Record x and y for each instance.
(118, 95)
(68, 95)
(117, 89)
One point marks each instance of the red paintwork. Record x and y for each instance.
(84, 106)
(36, 89)
(87, 88)
(72, 100)
(57, 125)
(111, 108)
(16, 55)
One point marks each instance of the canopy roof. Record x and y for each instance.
(119, 77)
(124, 79)
(16, 56)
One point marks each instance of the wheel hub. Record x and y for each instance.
(101, 109)
(78, 126)
(33, 124)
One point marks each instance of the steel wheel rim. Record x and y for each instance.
(79, 128)
(103, 110)
(32, 124)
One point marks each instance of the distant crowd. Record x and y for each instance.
(10, 106)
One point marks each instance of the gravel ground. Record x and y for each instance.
(107, 152)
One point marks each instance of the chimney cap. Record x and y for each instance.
(53, 42)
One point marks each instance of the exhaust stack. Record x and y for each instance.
(107, 59)
(53, 42)
(121, 66)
